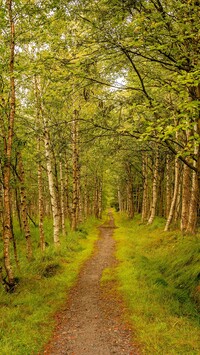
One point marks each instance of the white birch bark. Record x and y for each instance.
(52, 190)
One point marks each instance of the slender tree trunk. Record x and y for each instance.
(194, 198)
(75, 162)
(66, 189)
(62, 199)
(130, 198)
(85, 204)
(192, 219)
(185, 198)
(96, 197)
(80, 204)
(40, 183)
(40, 205)
(177, 212)
(52, 190)
(195, 188)
(17, 200)
(100, 198)
(154, 188)
(24, 209)
(7, 227)
(119, 199)
(14, 243)
(168, 189)
(175, 194)
(48, 154)
(145, 187)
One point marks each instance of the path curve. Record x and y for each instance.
(92, 323)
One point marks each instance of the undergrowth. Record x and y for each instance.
(159, 276)
(26, 316)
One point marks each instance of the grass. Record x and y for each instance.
(26, 316)
(159, 274)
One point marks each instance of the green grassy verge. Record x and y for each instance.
(159, 274)
(26, 316)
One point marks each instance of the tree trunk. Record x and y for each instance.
(175, 194)
(177, 212)
(168, 189)
(40, 184)
(62, 199)
(48, 154)
(40, 205)
(100, 198)
(80, 204)
(14, 242)
(130, 197)
(119, 199)
(194, 199)
(66, 189)
(195, 188)
(185, 198)
(75, 162)
(96, 197)
(24, 210)
(154, 188)
(145, 187)
(52, 189)
(7, 227)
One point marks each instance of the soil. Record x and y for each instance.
(93, 320)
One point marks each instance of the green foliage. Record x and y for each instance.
(159, 275)
(26, 316)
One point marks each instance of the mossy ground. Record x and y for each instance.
(26, 316)
(158, 273)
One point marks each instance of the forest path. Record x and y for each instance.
(92, 322)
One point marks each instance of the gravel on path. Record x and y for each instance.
(93, 322)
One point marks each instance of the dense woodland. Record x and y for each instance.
(99, 105)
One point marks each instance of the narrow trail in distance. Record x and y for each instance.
(92, 323)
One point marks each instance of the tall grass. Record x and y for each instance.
(26, 316)
(158, 274)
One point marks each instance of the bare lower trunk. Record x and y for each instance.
(185, 198)
(195, 188)
(41, 207)
(100, 198)
(175, 194)
(168, 189)
(130, 201)
(96, 197)
(14, 243)
(75, 162)
(119, 199)
(62, 199)
(24, 210)
(52, 189)
(193, 206)
(177, 212)
(7, 227)
(145, 188)
(80, 204)
(154, 188)
(66, 190)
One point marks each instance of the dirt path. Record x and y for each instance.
(92, 323)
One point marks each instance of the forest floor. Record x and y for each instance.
(93, 321)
